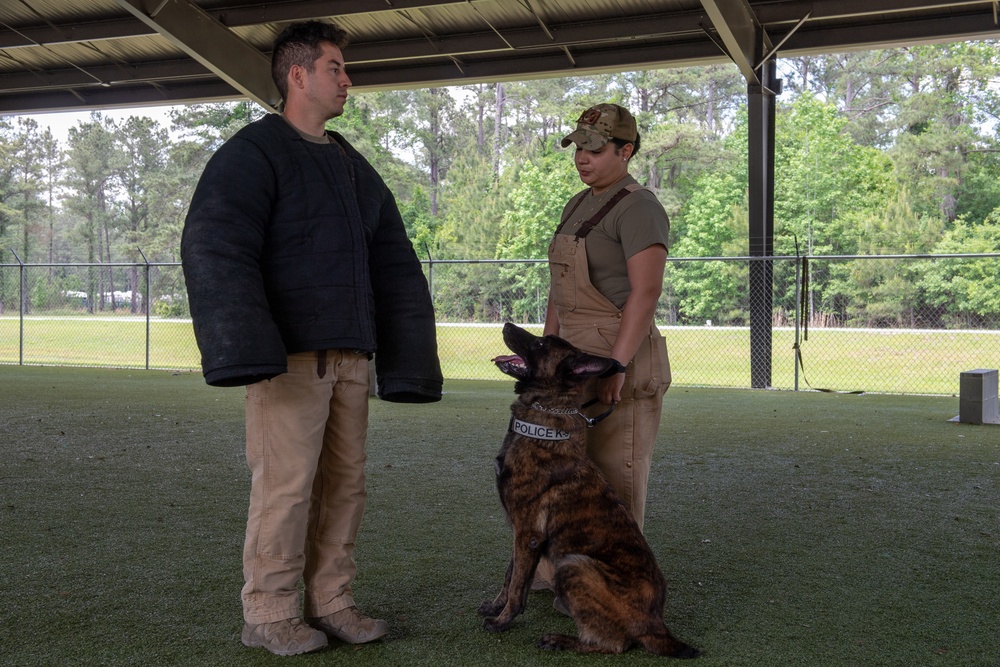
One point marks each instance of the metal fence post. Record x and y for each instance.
(20, 308)
(145, 303)
(430, 272)
(798, 313)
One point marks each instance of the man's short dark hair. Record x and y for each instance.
(301, 43)
(621, 143)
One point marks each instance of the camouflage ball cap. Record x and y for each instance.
(599, 124)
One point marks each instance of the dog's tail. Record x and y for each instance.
(660, 642)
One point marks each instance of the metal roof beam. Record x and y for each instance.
(535, 64)
(251, 14)
(301, 10)
(627, 30)
(91, 31)
(783, 12)
(740, 32)
(114, 75)
(212, 44)
(880, 36)
(127, 96)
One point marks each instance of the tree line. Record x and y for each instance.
(877, 152)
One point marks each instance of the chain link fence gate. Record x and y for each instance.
(906, 324)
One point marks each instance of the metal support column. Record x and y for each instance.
(761, 103)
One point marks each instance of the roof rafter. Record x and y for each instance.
(121, 27)
(212, 44)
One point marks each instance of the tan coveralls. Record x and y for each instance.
(622, 444)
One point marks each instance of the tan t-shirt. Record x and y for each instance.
(635, 223)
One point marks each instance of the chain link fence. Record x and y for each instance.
(888, 324)
(111, 315)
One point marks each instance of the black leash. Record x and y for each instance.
(594, 421)
(806, 316)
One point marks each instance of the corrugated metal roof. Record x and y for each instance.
(78, 54)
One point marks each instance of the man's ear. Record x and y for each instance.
(296, 77)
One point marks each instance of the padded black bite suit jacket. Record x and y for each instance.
(291, 246)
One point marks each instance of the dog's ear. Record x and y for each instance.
(589, 365)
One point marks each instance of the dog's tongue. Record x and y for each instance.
(508, 359)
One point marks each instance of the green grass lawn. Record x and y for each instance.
(841, 360)
(118, 342)
(883, 361)
(794, 528)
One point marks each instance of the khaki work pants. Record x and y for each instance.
(306, 432)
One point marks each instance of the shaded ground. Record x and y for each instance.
(794, 528)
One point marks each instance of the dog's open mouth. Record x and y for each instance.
(511, 365)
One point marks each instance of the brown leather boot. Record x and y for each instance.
(290, 636)
(351, 625)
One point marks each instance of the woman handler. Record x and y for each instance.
(606, 261)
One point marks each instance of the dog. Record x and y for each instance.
(561, 507)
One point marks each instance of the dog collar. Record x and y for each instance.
(591, 421)
(536, 430)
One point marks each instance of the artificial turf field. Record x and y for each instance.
(795, 529)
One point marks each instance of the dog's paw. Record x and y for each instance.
(688, 652)
(490, 608)
(495, 625)
(553, 642)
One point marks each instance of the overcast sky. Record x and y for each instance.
(60, 122)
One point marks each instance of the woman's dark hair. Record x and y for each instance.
(301, 44)
(620, 144)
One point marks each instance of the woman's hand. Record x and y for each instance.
(609, 389)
